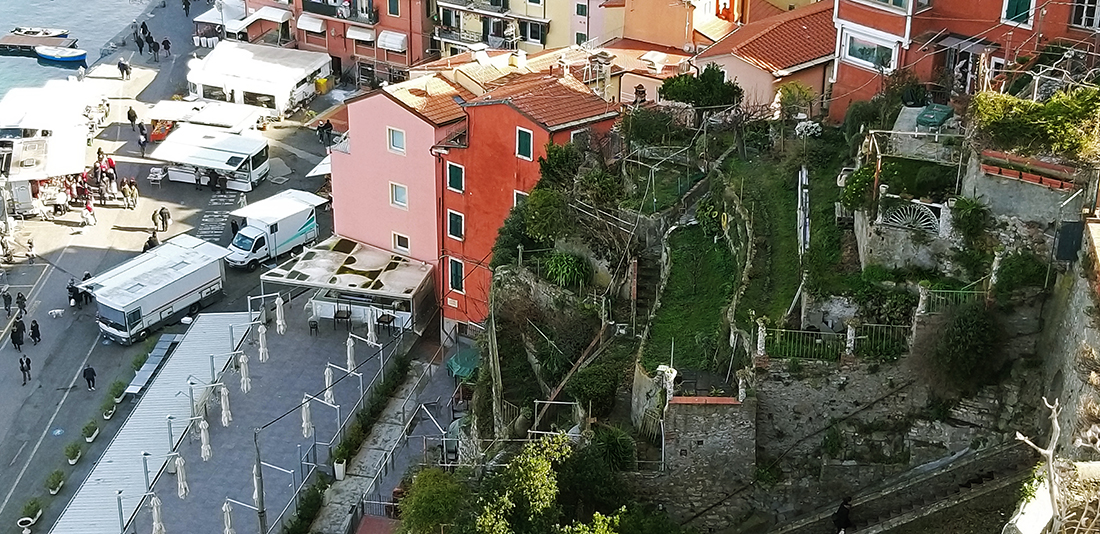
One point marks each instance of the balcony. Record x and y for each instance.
(487, 7)
(361, 11)
(467, 37)
(320, 8)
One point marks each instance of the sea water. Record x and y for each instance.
(94, 23)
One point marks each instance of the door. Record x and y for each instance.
(486, 25)
(133, 320)
(259, 248)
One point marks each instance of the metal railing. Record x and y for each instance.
(780, 343)
(941, 300)
(882, 342)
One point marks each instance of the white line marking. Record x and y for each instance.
(17, 453)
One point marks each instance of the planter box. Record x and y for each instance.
(53, 491)
(108, 415)
(91, 438)
(73, 461)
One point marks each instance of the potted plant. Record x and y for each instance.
(55, 481)
(72, 452)
(108, 408)
(117, 390)
(90, 431)
(340, 460)
(32, 511)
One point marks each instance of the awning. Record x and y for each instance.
(310, 23)
(360, 34)
(393, 41)
(323, 168)
(973, 45)
(273, 14)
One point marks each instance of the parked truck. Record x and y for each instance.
(157, 288)
(285, 222)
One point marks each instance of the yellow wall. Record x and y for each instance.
(661, 22)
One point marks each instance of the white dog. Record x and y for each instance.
(56, 314)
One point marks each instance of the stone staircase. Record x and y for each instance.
(924, 491)
(649, 277)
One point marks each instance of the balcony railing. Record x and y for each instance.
(448, 34)
(320, 8)
(358, 10)
(486, 6)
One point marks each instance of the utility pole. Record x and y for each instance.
(494, 364)
(261, 511)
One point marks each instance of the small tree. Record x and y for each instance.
(967, 346)
(547, 215)
(435, 499)
(558, 169)
(709, 89)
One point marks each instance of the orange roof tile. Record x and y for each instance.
(783, 41)
(432, 97)
(761, 9)
(551, 100)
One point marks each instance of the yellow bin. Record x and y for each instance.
(322, 85)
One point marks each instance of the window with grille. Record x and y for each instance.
(1084, 14)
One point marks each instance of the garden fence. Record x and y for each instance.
(941, 300)
(780, 343)
(882, 342)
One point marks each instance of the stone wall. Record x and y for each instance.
(896, 248)
(1016, 198)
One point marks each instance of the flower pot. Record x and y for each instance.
(119, 398)
(53, 491)
(25, 522)
(108, 415)
(340, 469)
(91, 438)
(72, 461)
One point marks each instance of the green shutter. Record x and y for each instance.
(523, 147)
(455, 177)
(1018, 10)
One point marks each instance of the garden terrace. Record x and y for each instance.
(1030, 170)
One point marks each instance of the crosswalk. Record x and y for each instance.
(216, 215)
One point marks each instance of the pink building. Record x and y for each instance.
(384, 187)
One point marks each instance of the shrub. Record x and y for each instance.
(1064, 124)
(568, 270)
(32, 507)
(971, 219)
(434, 499)
(108, 405)
(55, 479)
(857, 189)
(615, 446)
(709, 214)
(600, 188)
(309, 505)
(558, 169)
(89, 428)
(72, 450)
(832, 441)
(1022, 269)
(967, 347)
(510, 236)
(547, 215)
(117, 388)
(139, 361)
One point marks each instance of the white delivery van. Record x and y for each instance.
(158, 287)
(190, 147)
(286, 222)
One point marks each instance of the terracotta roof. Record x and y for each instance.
(432, 97)
(761, 9)
(715, 28)
(629, 52)
(783, 41)
(550, 100)
(613, 3)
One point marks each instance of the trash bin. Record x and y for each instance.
(195, 39)
(213, 42)
(204, 42)
(321, 84)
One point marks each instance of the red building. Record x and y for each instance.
(492, 165)
(374, 40)
(960, 43)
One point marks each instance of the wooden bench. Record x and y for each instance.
(152, 364)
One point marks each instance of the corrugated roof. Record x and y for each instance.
(783, 41)
(431, 96)
(456, 60)
(551, 100)
(94, 507)
(629, 52)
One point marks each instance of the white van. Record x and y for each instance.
(286, 222)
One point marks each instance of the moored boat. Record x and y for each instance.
(57, 53)
(40, 32)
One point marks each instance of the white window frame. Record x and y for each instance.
(846, 37)
(393, 196)
(573, 135)
(461, 218)
(389, 140)
(451, 261)
(577, 6)
(530, 156)
(448, 177)
(887, 6)
(1030, 15)
(516, 193)
(396, 246)
(1084, 6)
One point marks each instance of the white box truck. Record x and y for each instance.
(285, 222)
(158, 287)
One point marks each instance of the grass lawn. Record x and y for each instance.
(823, 262)
(769, 197)
(700, 284)
(670, 183)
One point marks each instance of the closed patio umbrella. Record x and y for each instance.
(263, 343)
(246, 381)
(256, 484)
(181, 478)
(280, 320)
(158, 521)
(351, 353)
(204, 438)
(329, 398)
(227, 416)
(372, 328)
(227, 517)
(307, 419)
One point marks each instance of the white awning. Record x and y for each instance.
(310, 23)
(393, 41)
(273, 14)
(360, 34)
(323, 168)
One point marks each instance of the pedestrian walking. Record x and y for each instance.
(321, 133)
(134, 193)
(143, 141)
(140, 44)
(125, 192)
(144, 28)
(36, 335)
(841, 517)
(187, 8)
(131, 116)
(223, 181)
(30, 250)
(19, 325)
(89, 376)
(17, 340)
(134, 26)
(234, 228)
(122, 69)
(156, 220)
(21, 303)
(198, 179)
(154, 48)
(165, 217)
(7, 301)
(167, 45)
(25, 368)
(88, 215)
(141, 129)
(87, 295)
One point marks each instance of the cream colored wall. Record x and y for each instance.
(759, 86)
(661, 22)
(560, 33)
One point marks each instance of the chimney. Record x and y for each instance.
(563, 64)
(519, 60)
(639, 94)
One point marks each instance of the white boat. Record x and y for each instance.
(40, 32)
(57, 53)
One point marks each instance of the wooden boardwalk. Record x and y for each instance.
(22, 44)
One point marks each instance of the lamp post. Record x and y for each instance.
(261, 511)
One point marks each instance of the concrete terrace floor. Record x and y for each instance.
(296, 367)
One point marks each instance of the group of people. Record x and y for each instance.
(324, 132)
(19, 329)
(143, 37)
(139, 127)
